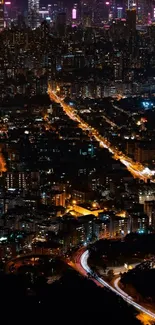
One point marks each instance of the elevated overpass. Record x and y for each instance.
(22, 257)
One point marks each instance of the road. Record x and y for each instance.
(17, 261)
(110, 122)
(135, 168)
(116, 290)
(122, 110)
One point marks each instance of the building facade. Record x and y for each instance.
(1, 15)
(33, 13)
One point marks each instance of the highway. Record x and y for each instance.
(135, 168)
(116, 290)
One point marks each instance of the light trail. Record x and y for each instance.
(116, 290)
(122, 110)
(135, 168)
(110, 122)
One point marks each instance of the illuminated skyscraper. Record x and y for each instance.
(74, 15)
(153, 10)
(113, 10)
(1, 15)
(143, 9)
(33, 13)
(85, 9)
(90, 9)
(119, 12)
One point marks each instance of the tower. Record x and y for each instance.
(61, 23)
(131, 21)
(113, 10)
(88, 8)
(143, 8)
(1, 15)
(132, 4)
(33, 13)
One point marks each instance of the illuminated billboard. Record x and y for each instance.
(74, 13)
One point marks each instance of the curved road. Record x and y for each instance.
(116, 290)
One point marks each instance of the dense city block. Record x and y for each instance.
(77, 160)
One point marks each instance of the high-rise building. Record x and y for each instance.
(131, 20)
(84, 8)
(119, 12)
(74, 15)
(61, 23)
(22, 180)
(131, 4)
(33, 13)
(1, 15)
(143, 10)
(112, 10)
(140, 11)
(7, 14)
(57, 7)
(89, 7)
(87, 19)
(152, 10)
